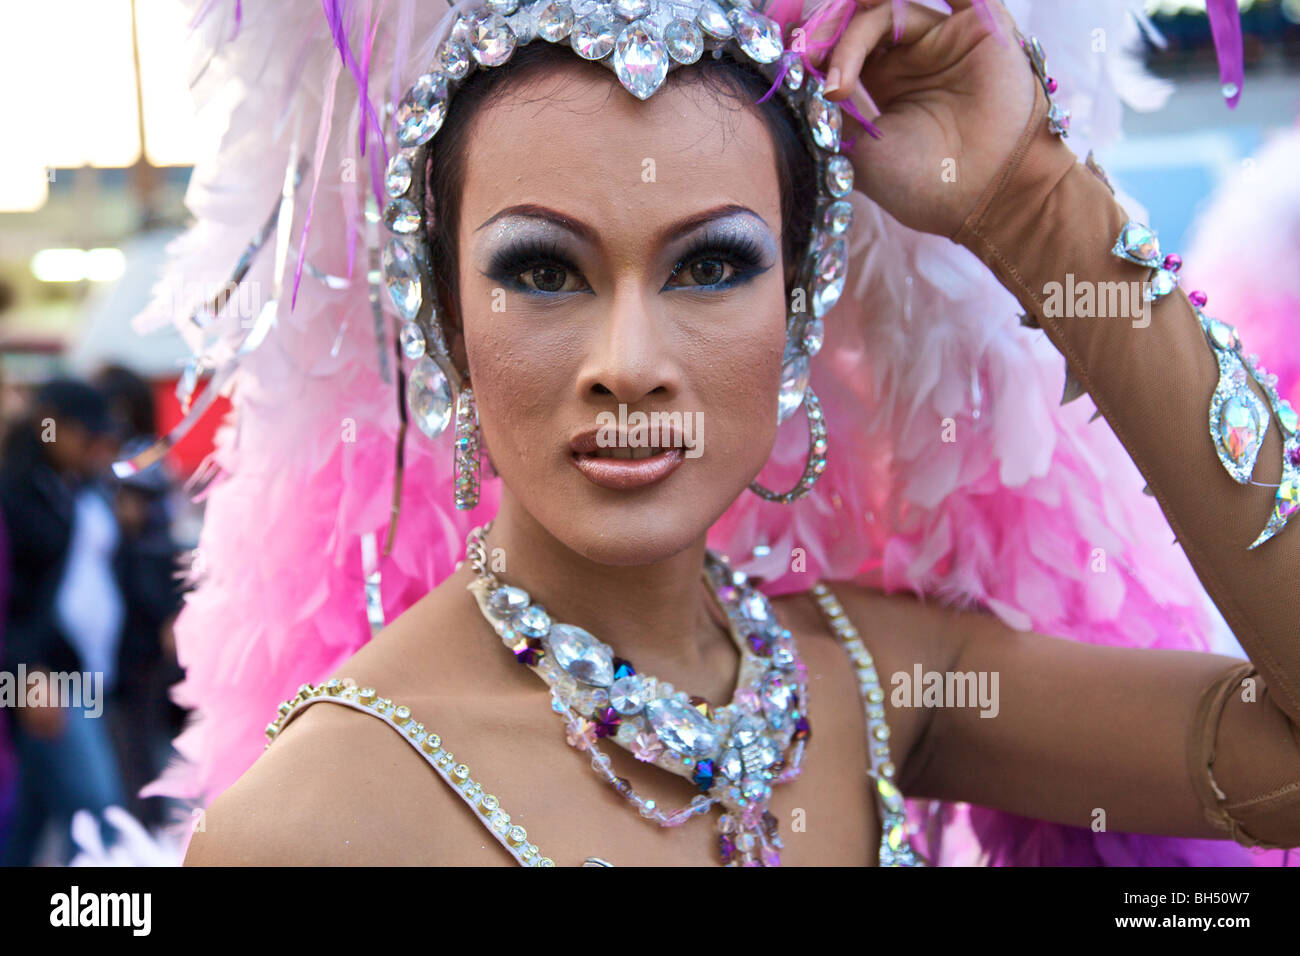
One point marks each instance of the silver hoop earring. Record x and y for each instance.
(466, 447)
(816, 463)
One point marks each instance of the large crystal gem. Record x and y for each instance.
(454, 59)
(492, 40)
(824, 119)
(828, 282)
(713, 21)
(1239, 431)
(1223, 334)
(593, 36)
(1288, 498)
(794, 75)
(580, 655)
(681, 727)
(397, 178)
(402, 278)
(428, 397)
(631, 9)
(683, 40)
(838, 218)
(411, 338)
(555, 22)
(402, 217)
(777, 695)
(759, 36)
(1138, 244)
(508, 600)
(533, 621)
(628, 695)
(640, 60)
(422, 109)
(839, 176)
(1287, 416)
(794, 383)
(730, 764)
(1163, 282)
(746, 731)
(814, 334)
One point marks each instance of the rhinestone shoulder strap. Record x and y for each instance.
(894, 847)
(487, 808)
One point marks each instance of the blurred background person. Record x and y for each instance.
(66, 610)
(142, 717)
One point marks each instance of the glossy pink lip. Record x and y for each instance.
(623, 473)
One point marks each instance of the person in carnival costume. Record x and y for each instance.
(594, 248)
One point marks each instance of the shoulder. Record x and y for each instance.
(336, 787)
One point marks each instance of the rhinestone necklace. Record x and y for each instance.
(734, 754)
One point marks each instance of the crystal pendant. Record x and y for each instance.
(397, 179)
(683, 40)
(824, 119)
(580, 655)
(681, 727)
(402, 217)
(838, 219)
(555, 22)
(454, 59)
(492, 40)
(412, 340)
(713, 21)
(640, 61)
(1239, 427)
(631, 9)
(828, 281)
(402, 278)
(839, 176)
(593, 36)
(759, 36)
(428, 397)
(814, 334)
(421, 111)
(794, 382)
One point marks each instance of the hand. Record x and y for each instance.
(950, 100)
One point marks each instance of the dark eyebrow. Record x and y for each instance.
(584, 231)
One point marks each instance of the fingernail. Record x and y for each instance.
(832, 80)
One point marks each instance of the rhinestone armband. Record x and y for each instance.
(1238, 418)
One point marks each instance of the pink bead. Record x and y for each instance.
(1051, 85)
(1198, 299)
(1173, 262)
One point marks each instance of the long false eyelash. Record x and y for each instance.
(527, 254)
(744, 252)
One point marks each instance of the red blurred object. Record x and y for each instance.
(195, 446)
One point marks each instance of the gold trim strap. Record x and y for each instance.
(428, 744)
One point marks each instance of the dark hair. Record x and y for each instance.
(724, 75)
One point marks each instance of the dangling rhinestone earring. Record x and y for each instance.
(816, 463)
(467, 448)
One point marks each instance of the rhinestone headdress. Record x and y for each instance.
(641, 41)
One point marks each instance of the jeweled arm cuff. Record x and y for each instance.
(1238, 417)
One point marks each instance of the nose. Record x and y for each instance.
(631, 353)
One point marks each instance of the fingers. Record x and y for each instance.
(864, 33)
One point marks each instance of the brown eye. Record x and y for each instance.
(705, 271)
(548, 278)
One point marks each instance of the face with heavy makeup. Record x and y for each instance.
(614, 251)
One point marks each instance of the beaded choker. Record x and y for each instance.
(734, 753)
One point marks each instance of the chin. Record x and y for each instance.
(645, 525)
